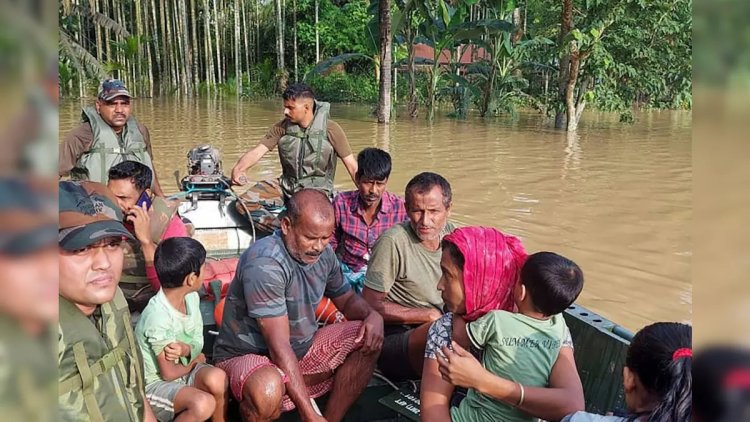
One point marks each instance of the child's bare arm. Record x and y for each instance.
(177, 349)
(168, 369)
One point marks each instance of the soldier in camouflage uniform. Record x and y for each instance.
(100, 370)
(28, 300)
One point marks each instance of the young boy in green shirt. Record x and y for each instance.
(180, 385)
(521, 346)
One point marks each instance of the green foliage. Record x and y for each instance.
(646, 58)
(637, 53)
(342, 29)
(344, 88)
(260, 81)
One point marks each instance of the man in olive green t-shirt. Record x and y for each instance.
(402, 276)
(308, 164)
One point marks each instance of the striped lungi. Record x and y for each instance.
(330, 347)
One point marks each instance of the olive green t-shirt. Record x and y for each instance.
(336, 137)
(404, 269)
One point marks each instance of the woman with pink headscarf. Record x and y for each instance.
(480, 268)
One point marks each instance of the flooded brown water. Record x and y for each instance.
(615, 198)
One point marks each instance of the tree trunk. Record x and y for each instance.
(384, 100)
(219, 64)
(518, 34)
(279, 38)
(97, 28)
(187, 63)
(432, 88)
(245, 35)
(489, 89)
(165, 68)
(412, 101)
(237, 74)
(570, 87)
(139, 33)
(296, 64)
(257, 31)
(157, 45)
(207, 50)
(149, 62)
(107, 38)
(194, 44)
(566, 25)
(317, 33)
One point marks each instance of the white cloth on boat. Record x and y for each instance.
(591, 417)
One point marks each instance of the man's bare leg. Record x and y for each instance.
(349, 380)
(261, 395)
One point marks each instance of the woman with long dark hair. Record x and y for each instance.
(657, 376)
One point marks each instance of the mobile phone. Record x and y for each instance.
(144, 199)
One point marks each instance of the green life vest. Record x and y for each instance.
(308, 159)
(99, 365)
(109, 149)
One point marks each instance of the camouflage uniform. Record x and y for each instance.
(99, 364)
(27, 373)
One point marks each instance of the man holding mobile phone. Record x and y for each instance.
(150, 219)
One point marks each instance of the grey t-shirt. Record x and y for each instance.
(404, 269)
(270, 283)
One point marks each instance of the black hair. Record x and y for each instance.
(423, 183)
(177, 258)
(373, 164)
(651, 358)
(721, 391)
(297, 91)
(139, 173)
(552, 281)
(454, 253)
(295, 204)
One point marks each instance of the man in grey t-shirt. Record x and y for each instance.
(269, 342)
(402, 276)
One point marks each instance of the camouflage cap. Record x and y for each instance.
(88, 213)
(27, 215)
(111, 89)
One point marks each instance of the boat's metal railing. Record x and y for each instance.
(600, 348)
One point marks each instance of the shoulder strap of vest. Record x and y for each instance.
(85, 373)
(84, 379)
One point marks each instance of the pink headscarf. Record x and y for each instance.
(492, 264)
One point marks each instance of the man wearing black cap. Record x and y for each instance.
(108, 135)
(99, 364)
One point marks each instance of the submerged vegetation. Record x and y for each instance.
(487, 56)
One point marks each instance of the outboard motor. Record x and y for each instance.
(209, 205)
(205, 179)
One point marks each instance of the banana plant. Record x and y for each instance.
(443, 26)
